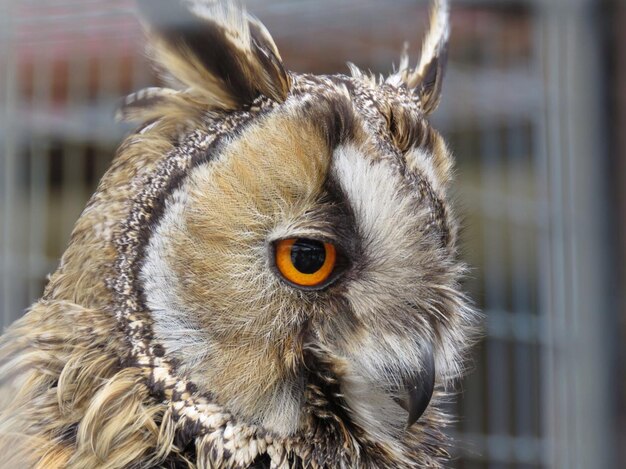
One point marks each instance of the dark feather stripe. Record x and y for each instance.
(243, 74)
(269, 59)
(432, 81)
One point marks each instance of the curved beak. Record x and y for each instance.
(419, 389)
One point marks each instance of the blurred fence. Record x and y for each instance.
(523, 111)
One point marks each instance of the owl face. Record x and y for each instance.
(299, 232)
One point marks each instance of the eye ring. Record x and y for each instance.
(305, 262)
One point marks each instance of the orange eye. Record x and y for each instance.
(305, 262)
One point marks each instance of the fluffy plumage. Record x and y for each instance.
(168, 338)
(216, 49)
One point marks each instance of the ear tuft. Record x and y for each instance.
(427, 78)
(216, 49)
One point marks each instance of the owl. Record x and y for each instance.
(266, 276)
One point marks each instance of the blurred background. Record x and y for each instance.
(534, 108)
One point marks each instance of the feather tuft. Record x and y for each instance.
(216, 49)
(427, 77)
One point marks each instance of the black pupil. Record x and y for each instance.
(307, 255)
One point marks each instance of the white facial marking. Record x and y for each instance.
(173, 326)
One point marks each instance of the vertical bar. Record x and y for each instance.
(592, 299)
(474, 394)
(108, 90)
(543, 144)
(10, 275)
(495, 297)
(580, 400)
(568, 258)
(73, 190)
(39, 149)
(523, 378)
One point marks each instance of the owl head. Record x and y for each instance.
(287, 260)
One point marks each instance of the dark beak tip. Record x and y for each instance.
(418, 402)
(420, 389)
